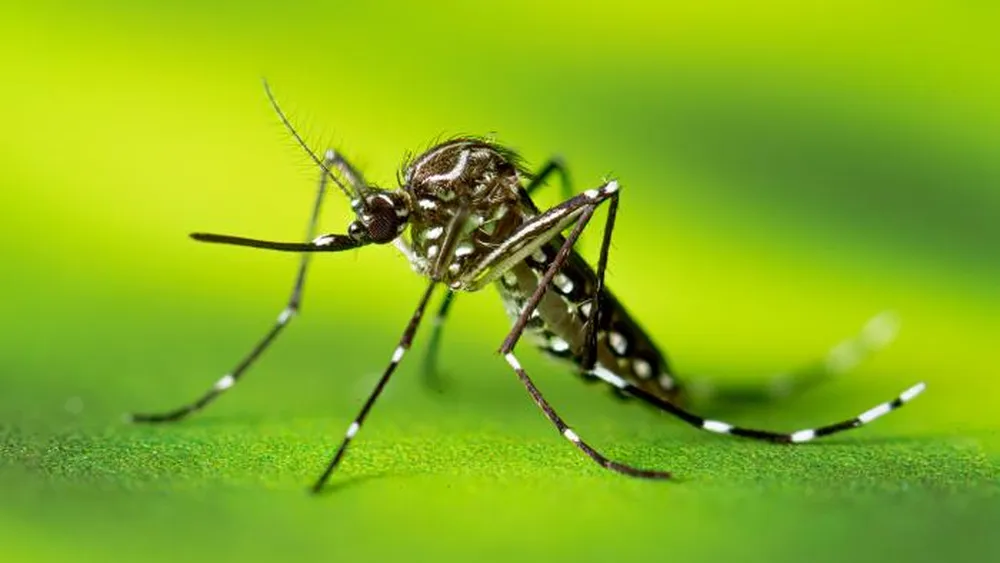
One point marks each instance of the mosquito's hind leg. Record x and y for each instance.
(795, 437)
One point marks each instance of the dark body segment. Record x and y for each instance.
(464, 197)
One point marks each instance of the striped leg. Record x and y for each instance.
(404, 344)
(292, 307)
(431, 376)
(876, 334)
(572, 436)
(608, 191)
(553, 166)
(720, 427)
(594, 318)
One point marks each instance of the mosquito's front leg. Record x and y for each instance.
(404, 344)
(291, 308)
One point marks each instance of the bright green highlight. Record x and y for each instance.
(788, 171)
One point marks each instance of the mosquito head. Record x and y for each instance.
(382, 215)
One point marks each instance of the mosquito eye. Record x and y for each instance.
(383, 227)
(384, 224)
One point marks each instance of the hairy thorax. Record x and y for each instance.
(465, 201)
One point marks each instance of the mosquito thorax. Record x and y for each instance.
(464, 201)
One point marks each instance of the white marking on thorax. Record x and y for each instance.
(415, 169)
(463, 160)
(418, 263)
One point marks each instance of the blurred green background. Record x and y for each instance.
(788, 171)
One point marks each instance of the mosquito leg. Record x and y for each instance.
(876, 334)
(404, 344)
(431, 376)
(553, 166)
(572, 436)
(594, 319)
(799, 436)
(608, 191)
(292, 307)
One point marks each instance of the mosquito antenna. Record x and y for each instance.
(298, 138)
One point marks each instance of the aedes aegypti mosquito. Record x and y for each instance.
(467, 204)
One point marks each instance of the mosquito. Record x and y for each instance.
(464, 218)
